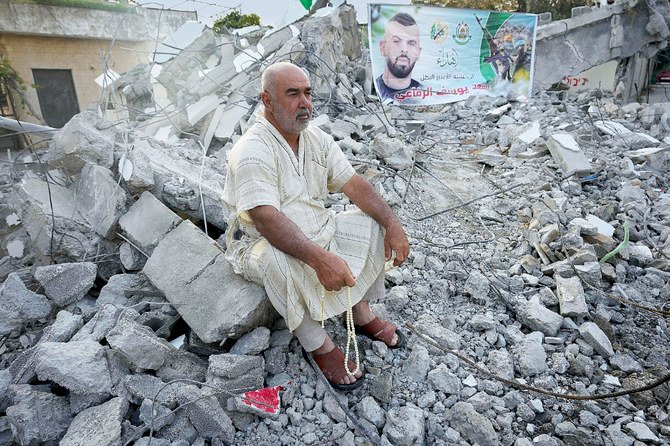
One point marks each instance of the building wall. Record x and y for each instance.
(84, 57)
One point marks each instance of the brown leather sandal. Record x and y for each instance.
(332, 366)
(380, 330)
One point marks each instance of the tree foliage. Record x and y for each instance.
(560, 9)
(235, 20)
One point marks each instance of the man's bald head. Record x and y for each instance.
(277, 70)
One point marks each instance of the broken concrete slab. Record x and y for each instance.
(99, 198)
(79, 366)
(154, 414)
(97, 426)
(568, 155)
(147, 221)
(64, 327)
(571, 296)
(139, 345)
(183, 183)
(37, 416)
(253, 342)
(135, 169)
(86, 138)
(235, 372)
(191, 270)
(537, 317)
(205, 413)
(180, 364)
(596, 338)
(138, 387)
(201, 108)
(57, 229)
(132, 259)
(19, 305)
(66, 282)
(393, 151)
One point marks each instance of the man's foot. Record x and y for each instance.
(330, 360)
(375, 328)
(332, 367)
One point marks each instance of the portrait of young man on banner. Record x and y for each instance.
(423, 55)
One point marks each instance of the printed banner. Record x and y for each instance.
(424, 55)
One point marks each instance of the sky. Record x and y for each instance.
(271, 12)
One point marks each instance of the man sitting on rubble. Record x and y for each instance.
(313, 263)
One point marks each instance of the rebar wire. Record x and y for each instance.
(465, 203)
(568, 396)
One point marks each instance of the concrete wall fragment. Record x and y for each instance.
(191, 270)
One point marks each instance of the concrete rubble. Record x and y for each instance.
(539, 230)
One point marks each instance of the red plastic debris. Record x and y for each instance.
(266, 399)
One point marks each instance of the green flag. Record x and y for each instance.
(306, 3)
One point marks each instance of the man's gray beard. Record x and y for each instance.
(397, 71)
(290, 123)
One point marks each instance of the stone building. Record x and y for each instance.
(59, 51)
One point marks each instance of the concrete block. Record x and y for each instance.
(567, 154)
(97, 426)
(139, 345)
(37, 417)
(86, 138)
(80, 366)
(596, 338)
(571, 297)
(19, 305)
(147, 221)
(537, 317)
(191, 270)
(66, 282)
(236, 372)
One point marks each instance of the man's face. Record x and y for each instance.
(401, 48)
(291, 101)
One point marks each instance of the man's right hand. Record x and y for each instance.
(333, 272)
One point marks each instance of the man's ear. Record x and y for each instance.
(267, 100)
(382, 45)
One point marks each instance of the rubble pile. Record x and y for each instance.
(540, 258)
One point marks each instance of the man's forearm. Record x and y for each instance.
(363, 194)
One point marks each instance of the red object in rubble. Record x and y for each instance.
(266, 399)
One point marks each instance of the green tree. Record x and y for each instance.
(234, 20)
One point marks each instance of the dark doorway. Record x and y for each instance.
(58, 100)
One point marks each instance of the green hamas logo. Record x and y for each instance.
(462, 35)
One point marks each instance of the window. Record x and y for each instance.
(55, 91)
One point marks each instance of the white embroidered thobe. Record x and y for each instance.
(264, 170)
